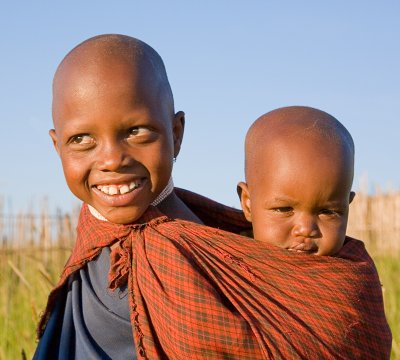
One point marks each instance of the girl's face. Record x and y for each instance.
(116, 136)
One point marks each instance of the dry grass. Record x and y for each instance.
(25, 282)
(376, 220)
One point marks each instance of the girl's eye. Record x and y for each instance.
(141, 135)
(82, 139)
(139, 131)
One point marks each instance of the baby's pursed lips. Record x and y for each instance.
(309, 247)
(119, 189)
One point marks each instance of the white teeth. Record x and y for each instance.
(124, 189)
(119, 189)
(113, 190)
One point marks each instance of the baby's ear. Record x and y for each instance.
(53, 136)
(244, 197)
(351, 197)
(178, 127)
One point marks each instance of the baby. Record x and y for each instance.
(299, 166)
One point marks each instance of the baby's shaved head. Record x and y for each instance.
(296, 124)
(110, 51)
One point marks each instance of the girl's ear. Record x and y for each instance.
(244, 197)
(53, 136)
(178, 128)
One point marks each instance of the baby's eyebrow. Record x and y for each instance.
(334, 203)
(283, 199)
(280, 200)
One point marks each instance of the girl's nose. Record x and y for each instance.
(306, 226)
(112, 157)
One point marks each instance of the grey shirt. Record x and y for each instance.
(94, 321)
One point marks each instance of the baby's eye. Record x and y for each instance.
(330, 212)
(81, 139)
(283, 209)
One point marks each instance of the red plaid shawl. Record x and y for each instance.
(199, 292)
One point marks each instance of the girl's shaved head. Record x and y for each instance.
(113, 50)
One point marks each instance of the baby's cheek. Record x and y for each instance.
(330, 247)
(271, 234)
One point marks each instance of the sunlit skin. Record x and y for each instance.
(298, 181)
(115, 127)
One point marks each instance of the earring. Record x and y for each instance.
(174, 159)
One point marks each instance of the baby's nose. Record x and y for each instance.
(306, 226)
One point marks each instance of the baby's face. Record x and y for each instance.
(299, 200)
(116, 138)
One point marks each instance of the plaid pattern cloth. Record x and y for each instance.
(200, 292)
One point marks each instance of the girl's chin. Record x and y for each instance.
(123, 216)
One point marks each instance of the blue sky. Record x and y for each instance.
(228, 63)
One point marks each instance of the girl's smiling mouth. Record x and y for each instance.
(119, 189)
(119, 193)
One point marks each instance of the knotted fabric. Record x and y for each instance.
(201, 292)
